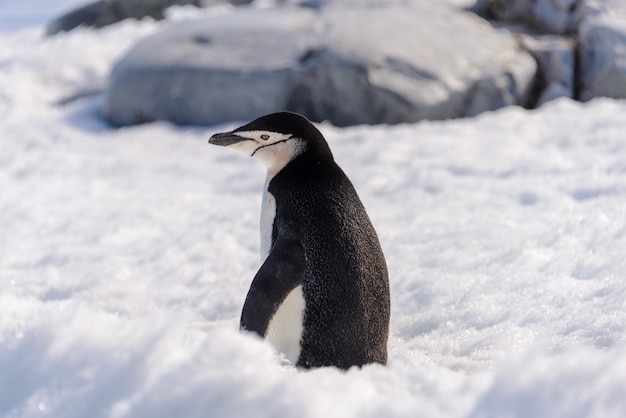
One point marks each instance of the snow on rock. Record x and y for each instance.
(348, 65)
(207, 71)
(388, 66)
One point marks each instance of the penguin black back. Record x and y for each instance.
(322, 242)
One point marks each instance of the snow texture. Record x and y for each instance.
(125, 256)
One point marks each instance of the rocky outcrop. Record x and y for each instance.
(597, 32)
(350, 65)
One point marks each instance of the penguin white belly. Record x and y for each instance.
(285, 328)
(284, 331)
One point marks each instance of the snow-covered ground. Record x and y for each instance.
(125, 256)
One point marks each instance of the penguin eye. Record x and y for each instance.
(265, 137)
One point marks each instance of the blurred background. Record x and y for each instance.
(348, 62)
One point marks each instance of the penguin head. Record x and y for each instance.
(276, 139)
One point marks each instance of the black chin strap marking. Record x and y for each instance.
(269, 145)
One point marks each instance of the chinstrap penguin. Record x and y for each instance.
(321, 296)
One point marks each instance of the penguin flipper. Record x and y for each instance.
(281, 272)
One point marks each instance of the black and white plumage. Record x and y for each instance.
(321, 296)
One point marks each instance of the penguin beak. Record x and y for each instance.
(226, 138)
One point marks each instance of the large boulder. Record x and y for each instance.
(386, 64)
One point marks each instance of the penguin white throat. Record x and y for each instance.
(273, 149)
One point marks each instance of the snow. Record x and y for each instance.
(125, 257)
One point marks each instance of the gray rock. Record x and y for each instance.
(106, 12)
(545, 16)
(98, 14)
(602, 53)
(349, 66)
